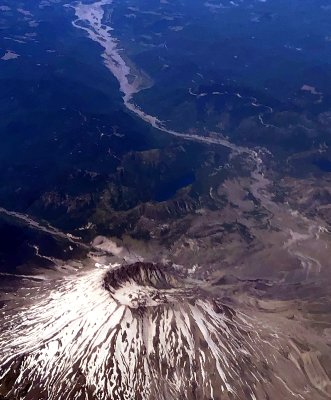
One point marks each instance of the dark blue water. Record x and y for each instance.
(323, 164)
(169, 189)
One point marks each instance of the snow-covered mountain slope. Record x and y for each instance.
(140, 331)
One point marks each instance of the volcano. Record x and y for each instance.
(139, 331)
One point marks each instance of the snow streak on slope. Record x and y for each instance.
(134, 332)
